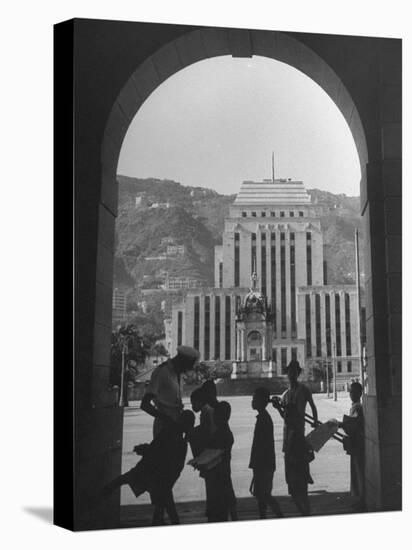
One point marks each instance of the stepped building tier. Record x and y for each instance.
(271, 301)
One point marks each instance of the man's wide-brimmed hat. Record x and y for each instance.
(188, 353)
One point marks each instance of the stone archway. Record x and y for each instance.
(363, 77)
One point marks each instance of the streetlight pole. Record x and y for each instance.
(335, 394)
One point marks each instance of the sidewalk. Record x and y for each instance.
(322, 503)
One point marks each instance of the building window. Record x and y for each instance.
(291, 214)
(273, 278)
(196, 338)
(179, 327)
(253, 214)
(339, 366)
(282, 214)
(301, 214)
(348, 325)
(244, 214)
(263, 262)
(349, 366)
(283, 359)
(274, 355)
(220, 274)
(237, 259)
(263, 214)
(217, 327)
(308, 326)
(227, 327)
(308, 259)
(317, 321)
(207, 328)
(273, 214)
(282, 285)
(325, 272)
(253, 252)
(328, 327)
(337, 325)
(294, 353)
(292, 285)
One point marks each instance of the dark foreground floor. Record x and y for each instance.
(322, 502)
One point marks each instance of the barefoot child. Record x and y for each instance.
(262, 457)
(220, 498)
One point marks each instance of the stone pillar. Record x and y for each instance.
(278, 291)
(342, 325)
(238, 345)
(332, 320)
(268, 269)
(382, 213)
(258, 258)
(202, 326)
(287, 280)
(263, 347)
(212, 326)
(313, 323)
(222, 326)
(323, 323)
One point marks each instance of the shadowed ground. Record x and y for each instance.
(330, 469)
(323, 503)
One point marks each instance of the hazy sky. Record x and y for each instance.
(216, 123)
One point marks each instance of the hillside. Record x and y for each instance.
(165, 230)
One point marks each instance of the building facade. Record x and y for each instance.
(270, 302)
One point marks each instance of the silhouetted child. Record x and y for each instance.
(209, 387)
(355, 443)
(202, 433)
(262, 457)
(220, 496)
(161, 465)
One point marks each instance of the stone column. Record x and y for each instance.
(332, 320)
(212, 326)
(263, 347)
(278, 291)
(323, 323)
(313, 322)
(342, 325)
(202, 326)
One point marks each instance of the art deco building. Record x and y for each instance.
(270, 302)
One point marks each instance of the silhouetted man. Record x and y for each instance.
(163, 397)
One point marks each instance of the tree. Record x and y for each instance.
(159, 349)
(127, 341)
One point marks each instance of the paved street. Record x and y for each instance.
(330, 469)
